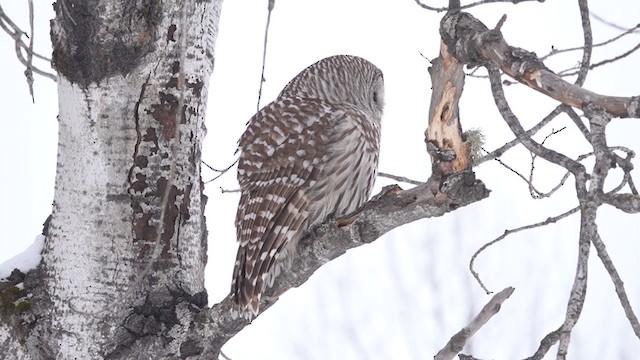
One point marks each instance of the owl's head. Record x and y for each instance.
(341, 79)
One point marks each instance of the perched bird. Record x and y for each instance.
(310, 153)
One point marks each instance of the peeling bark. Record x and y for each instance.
(449, 151)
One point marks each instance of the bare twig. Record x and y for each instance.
(29, 72)
(572, 71)
(617, 283)
(221, 172)
(532, 190)
(514, 124)
(550, 220)
(504, 148)
(477, 3)
(613, 25)
(264, 50)
(499, 161)
(588, 42)
(457, 341)
(218, 170)
(623, 163)
(16, 33)
(224, 191)
(626, 32)
(400, 178)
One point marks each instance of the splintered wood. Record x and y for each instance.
(445, 142)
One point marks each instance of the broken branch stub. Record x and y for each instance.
(445, 142)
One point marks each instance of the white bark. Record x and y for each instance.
(119, 64)
(89, 252)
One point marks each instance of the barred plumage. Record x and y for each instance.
(311, 152)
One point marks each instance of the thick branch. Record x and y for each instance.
(388, 210)
(628, 203)
(471, 42)
(617, 283)
(514, 124)
(578, 293)
(449, 152)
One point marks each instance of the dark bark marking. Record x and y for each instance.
(165, 113)
(170, 215)
(170, 32)
(88, 47)
(191, 347)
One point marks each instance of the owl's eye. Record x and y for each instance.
(378, 98)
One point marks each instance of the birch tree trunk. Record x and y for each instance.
(128, 193)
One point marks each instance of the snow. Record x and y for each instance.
(24, 261)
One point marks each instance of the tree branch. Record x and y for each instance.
(270, 6)
(579, 289)
(628, 203)
(626, 32)
(16, 33)
(504, 148)
(399, 178)
(388, 210)
(457, 341)
(617, 283)
(550, 220)
(477, 3)
(449, 151)
(471, 42)
(588, 42)
(512, 121)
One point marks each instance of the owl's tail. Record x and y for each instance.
(245, 292)
(268, 238)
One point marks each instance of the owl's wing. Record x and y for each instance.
(284, 150)
(281, 152)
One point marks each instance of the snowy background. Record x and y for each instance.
(405, 295)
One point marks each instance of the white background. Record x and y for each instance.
(405, 295)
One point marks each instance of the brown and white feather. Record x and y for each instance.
(310, 153)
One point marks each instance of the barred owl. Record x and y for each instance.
(310, 153)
